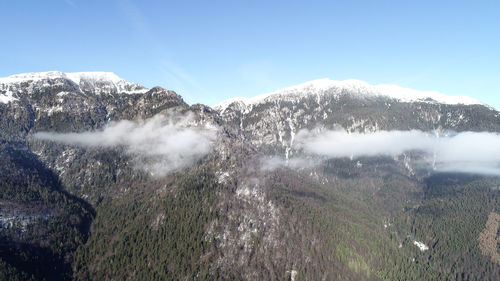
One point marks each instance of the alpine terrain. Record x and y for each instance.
(104, 179)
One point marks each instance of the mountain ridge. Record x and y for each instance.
(317, 87)
(98, 82)
(325, 85)
(250, 209)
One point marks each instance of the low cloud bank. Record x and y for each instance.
(468, 152)
(159, 145)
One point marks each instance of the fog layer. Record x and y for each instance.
(159, 145)
(469, 152)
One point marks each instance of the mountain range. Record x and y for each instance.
(104, 179)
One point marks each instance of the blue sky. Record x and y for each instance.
(212, 50)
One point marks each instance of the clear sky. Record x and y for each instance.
(212, 50)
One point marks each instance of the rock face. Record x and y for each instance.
(274, 119)
(69, 211)
(75, 101)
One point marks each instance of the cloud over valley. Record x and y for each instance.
(159, 145)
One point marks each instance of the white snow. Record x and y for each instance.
(73, 76)
(77, 77)
(246, 192)
(222, 177)
(321, 87)
(421, 246)
(109, 78)
(7, 97)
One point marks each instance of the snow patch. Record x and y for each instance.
(421, 246)
(246, 192)
(293, 274)
(222, 177)
(7, 97)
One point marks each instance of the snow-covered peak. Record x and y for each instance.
(96, 82)
(74, 76)
(327, 86)
(94, 76)
(32, 76)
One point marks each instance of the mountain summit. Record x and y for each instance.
(322, 87)
(109, 82)
(83, 82)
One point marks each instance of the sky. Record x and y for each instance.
(209, 51)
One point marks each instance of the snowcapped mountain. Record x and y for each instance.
(68, 101)
(231, 214)
(74, 76)
(14, 86)
(327, 87)
(271, 121)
